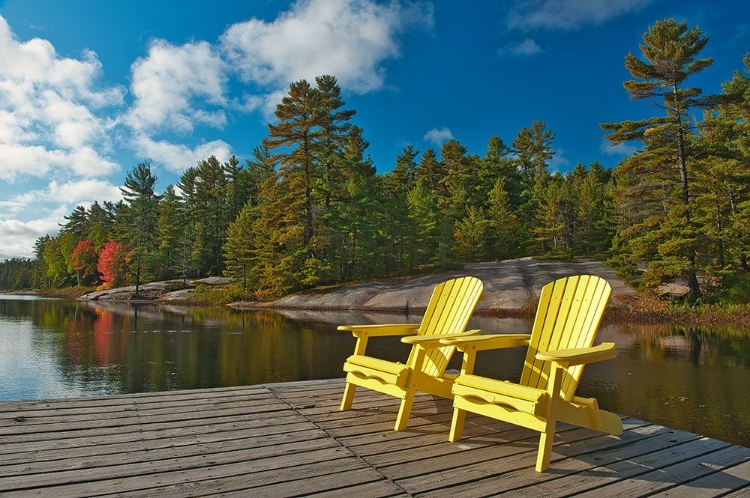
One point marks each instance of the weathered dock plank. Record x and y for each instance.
(729, 479)
(290, 439)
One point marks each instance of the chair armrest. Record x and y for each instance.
(488, 341)
(435, 340)
(381, 329)
(578, 356)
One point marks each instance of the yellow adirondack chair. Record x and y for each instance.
(559, 346)
(448, 312)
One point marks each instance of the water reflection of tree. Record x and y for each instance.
(721, 346)
(690, 378)
(142, 347)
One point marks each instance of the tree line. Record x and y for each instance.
(309, 207)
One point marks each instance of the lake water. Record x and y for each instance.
(693, 379)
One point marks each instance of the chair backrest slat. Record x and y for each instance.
(448, 312)
(568, 316)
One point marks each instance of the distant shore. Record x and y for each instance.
(511, 289)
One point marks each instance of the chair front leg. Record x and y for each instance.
(405, 409)
(346, 402)
(547, 437)
(457, 425)
(459, 415)
(410, 390)
(359, 349)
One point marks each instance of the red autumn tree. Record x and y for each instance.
(113, 264)
(84, 260)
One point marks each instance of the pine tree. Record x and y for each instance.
(470, 234)
(403, 175)
(76, 223)
(301, 120)
(100, 224)
(533, 150)
(460, 175)
(658, 177)
(334, 134)
(39, 276)
(240, 247)
(190, 257)
(258, 171)
(212, 203)
(506, 238)
(498, 164)
(401, 230)
(721, 179)
(142, 201)
(434, 231)
(355, 223)
(237, 188)
(311, 130)
(589, 187)
(239, 244)
(550, 231)
(169, 228)
(431, 173)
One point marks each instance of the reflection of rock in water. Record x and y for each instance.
(159, 313)
(682, 346)
(676, 343)
(150, 311)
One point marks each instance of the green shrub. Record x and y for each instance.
(219, 296)
(736, 289)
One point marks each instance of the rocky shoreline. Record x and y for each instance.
(168, 290)
(509, 285)
(511, 289)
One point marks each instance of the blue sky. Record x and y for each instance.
(88, 88)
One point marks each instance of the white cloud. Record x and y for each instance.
(170, 84)
(17, 238)
(11, 207)
(346, 38)
(177, 157)
(58, 120)
(49, 106)
(621, 149)
(83, 192)
(526, 48)
(47, 208)
(438, 136)
(64, 195)
(41, 162)
(568, 14)
(177, 88)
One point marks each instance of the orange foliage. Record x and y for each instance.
(113, 265)
(84, 259)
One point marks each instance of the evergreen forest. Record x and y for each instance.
(310, 209)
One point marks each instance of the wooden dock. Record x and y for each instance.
(291, 440)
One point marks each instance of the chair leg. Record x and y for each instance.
(405, 410)
(457, 425)
(346, 403)
(544, 453)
